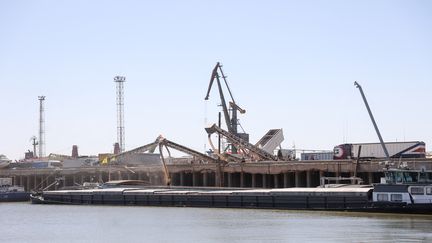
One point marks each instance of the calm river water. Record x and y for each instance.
(23, 222)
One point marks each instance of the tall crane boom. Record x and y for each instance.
(373, 120)
(231, 121)
(215, 75)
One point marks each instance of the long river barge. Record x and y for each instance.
(403, 192)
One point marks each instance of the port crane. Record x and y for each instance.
(247, 147)
(231, 121)
(163, 142)
(373, 120)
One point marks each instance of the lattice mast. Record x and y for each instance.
(41, 126)
(119, 80)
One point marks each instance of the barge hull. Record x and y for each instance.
(328, 199)
(14, 197)
(213, 201)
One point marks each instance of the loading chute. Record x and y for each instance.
(249, 149)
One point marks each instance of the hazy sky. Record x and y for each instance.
(290, 64)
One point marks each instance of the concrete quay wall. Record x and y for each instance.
(265, 174)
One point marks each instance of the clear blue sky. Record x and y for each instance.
(290, 64)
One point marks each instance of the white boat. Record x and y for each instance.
(4, 161)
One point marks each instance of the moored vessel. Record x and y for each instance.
(11, 193)
(394, 195)
(4, 161)
(405, 190)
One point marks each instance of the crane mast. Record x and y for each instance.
(231, 121)
(215, 75)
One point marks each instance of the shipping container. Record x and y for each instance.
(317, 156)
(46, 164)
(412, 149)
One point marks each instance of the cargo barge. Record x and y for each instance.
(403, 197)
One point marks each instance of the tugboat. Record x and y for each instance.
(11, 193)
(405, 190)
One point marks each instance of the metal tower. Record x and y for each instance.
(120, 112)
(41, 127)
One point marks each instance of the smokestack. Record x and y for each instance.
(74, 151)
(116, 148)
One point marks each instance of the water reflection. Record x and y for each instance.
(51, 223)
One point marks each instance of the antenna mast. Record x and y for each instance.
(119, 80)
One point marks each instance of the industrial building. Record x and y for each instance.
(232, 161)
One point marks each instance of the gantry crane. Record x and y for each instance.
(231, 121)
